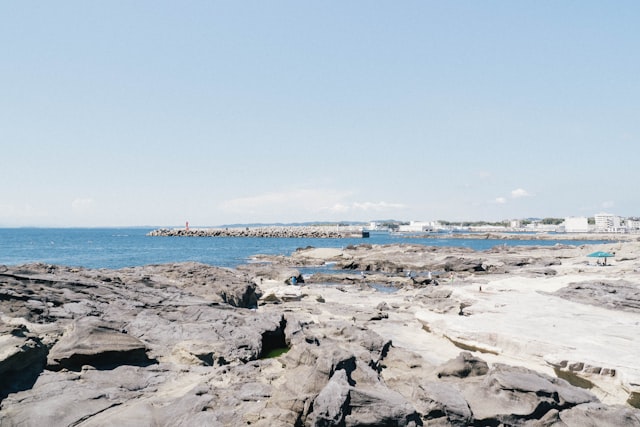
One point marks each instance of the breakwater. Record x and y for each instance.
(317, 232)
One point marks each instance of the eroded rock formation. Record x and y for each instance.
(190, 344)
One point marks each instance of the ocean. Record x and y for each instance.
(128, 247)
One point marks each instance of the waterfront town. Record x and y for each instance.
(602, 224)
(599, 223)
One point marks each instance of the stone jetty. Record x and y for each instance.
(315, 232)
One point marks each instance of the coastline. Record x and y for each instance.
(514, 311)
(422, 334)
(351, 231)
(602, 237)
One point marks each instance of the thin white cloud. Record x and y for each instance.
(82, 205)
(365, 207)
(305, 201)
(377, 206)
(337, 208)
(608, 204)
(519, 192)
(18, 213)
(7, 210)
(310, 199)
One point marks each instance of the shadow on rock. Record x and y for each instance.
(24, 357)
(89, 341)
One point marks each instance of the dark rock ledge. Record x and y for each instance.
(183, 345)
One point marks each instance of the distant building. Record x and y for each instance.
(632, 224)
(538, 227)
(419, 227)
(489, 228)
(608, 223)
(576, 224)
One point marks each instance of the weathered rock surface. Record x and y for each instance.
(89, 341)
(463, 366)
(22, 358)
(419, 264)
(512, 395)
(616, 295)
(514, 300)
(190, 344)
(593, 415)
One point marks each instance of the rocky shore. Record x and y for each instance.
(319, 232)
(494, 235)
(405, 335)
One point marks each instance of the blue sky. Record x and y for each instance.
(154, 113)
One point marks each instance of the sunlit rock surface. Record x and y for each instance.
(402, 335)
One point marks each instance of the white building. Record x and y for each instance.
(418, 227)
(608, 223)
(539, 227)
(632, 224)
(576, 224)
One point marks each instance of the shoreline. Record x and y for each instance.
(593, 237)
(509, 304)
(332, 231)
(490, 339)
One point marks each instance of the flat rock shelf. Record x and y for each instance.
(518, 336)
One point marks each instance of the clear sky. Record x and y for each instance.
(119, 113)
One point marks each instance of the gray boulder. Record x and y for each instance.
(22, 358)
(457, 264)
(463, 366)
(380, 406)
(511, 395)
(616, 295)
(332, 403)
(443, 402)
(340, 403)
(89, 341)
(599, 415)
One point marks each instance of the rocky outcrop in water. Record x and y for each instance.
(418, 258)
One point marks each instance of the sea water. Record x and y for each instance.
(128, 247)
